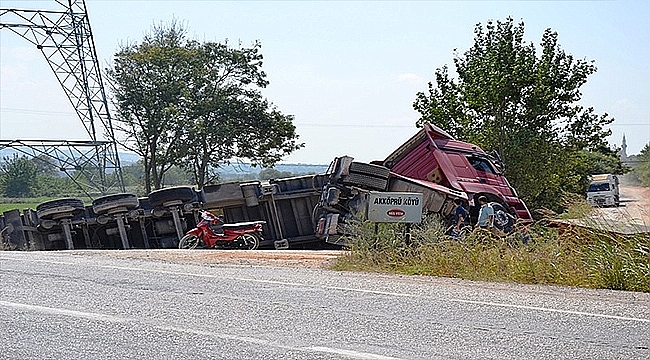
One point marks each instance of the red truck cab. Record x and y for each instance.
(434, 155)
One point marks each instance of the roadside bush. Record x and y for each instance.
(537, 254)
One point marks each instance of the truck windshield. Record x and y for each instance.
(599, 187)
(481, 165)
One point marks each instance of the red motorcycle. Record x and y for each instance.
(211, 232)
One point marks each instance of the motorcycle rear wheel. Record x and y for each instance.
(189, 242)
(249, 242)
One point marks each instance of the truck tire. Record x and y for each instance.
(182, 193)
(68, 207)
(502, 219)
(369, 169)
(365, 181)
(105, 204)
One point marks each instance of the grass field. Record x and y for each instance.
(20, 203)
(27, 203)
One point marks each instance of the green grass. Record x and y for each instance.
(572, 256)
(577, 207)
(21, 204)
(7, 204)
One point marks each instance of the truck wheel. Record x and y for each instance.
(105, 204)
(365, 181)
(67, 207)
(369, 169)
(502, 219)
(181, 193)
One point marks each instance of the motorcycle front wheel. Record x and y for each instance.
(249, 242)
(189, 242)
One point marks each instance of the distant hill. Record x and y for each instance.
(230, 171)
(125, 158)
(241, 169)
(128, 158)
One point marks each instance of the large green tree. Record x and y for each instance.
(194, 105)
(509, 97)
(228, 117)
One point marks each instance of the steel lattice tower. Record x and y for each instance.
(65, 39)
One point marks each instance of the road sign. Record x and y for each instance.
(401, 207)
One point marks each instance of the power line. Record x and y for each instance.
(633, 124)
(36, 112)
(356, 125)
(64, 113)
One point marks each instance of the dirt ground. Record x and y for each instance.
(286, 258)
(633, 216)
(634, 209)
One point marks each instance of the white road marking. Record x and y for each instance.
(537, 308)
(119, 319)
(366, 291)
(64, 312)
(350, 353)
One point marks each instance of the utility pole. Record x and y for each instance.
(65, 39)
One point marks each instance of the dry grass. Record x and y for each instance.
(572, 256)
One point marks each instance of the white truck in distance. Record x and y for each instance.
(603, 190)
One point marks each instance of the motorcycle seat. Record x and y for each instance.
(243, 224)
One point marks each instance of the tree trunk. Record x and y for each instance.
(147, 178)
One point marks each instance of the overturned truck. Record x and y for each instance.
(300, 212)
(431, 162)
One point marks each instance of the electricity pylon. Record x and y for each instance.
(65, 39)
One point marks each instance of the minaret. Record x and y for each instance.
(623, 152)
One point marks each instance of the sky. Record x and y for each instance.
(348, 71)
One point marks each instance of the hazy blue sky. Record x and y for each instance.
(348, 71)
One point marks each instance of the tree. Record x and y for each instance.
(509, 98)
(642, 168)
(147, 81)
(45, 165)
(195, 105)
(271, 173)
(227, 117)
(18, 176)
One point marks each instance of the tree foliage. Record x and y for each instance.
(271, 173)
(525, 104)
(37, 176)
(45, 165)
(185, 103)
(642, 168)
(18, 176)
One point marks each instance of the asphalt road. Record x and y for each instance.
(69, 306)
